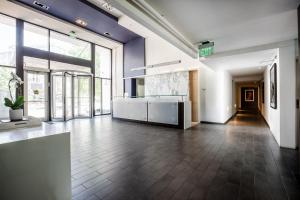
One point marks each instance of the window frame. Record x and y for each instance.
(42, 54)
(101, 80)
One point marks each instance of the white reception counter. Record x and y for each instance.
(35, 163)
(169, 112)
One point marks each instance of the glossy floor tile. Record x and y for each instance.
(114, 159)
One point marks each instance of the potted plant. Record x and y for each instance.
(15, 105)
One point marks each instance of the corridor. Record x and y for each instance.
(113, 159)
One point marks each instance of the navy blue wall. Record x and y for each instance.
(134, 56)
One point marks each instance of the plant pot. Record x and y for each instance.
(15, 115)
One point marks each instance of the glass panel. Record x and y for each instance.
(97, 96)
(4, 91)
(57, 97)
(102, 62)
(35, 37)
(106, 96)
(8, 41)
(68, 46)
(69, 97)
(36, 95)
(75, 100)
(84, 96)
(35, 62)
(68, 67)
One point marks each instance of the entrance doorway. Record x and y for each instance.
(71, 95)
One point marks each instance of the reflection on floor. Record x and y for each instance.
(122, 160)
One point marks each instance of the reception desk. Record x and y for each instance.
(35, 163)
(168, 112)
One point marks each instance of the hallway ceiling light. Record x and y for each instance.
(81, 22)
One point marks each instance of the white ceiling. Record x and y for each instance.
(243, 64)
(231, 24)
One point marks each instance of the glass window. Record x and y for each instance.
(36, 94)
(102, 62)
(8, 41)
(5, 76)
(68, 67)
(106, 96)
(30, 62)
(98, 96)
(63, 44)
(36, 37)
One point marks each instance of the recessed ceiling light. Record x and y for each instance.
(81, 22)
(107, 33)
(43, 6)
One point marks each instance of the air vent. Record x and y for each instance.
(107, 33)
(40, 5)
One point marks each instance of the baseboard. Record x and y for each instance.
(220, 123)
(264, 120)
(207, 122)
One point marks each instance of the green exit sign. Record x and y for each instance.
(206, 49)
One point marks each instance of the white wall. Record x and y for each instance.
(216, 95)
(215, 100)
(282, 121)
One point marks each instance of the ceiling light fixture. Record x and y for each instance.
(107, 33)
(40, 5)
(81, 22)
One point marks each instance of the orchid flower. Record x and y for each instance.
(17, 82)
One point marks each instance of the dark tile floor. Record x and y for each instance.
(114, 159)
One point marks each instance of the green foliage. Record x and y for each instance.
(14, 105)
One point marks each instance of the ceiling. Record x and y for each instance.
(243, 64)
(98, 20)
(30, 15)
(231, 24)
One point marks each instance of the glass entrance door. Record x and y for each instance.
(68, 108)
(36, 94)
(71, 96)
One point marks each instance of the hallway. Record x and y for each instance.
(114, 159)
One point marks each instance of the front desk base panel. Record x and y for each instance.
(180, 119)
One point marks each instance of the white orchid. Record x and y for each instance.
(16, 81)
(16, 78)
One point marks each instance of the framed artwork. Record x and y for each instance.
(263, 92)
(273, 86)
(249, 95)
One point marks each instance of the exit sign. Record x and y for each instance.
(206, 49)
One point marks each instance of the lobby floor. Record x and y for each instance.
(113, 159)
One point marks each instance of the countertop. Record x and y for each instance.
(14, 135)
